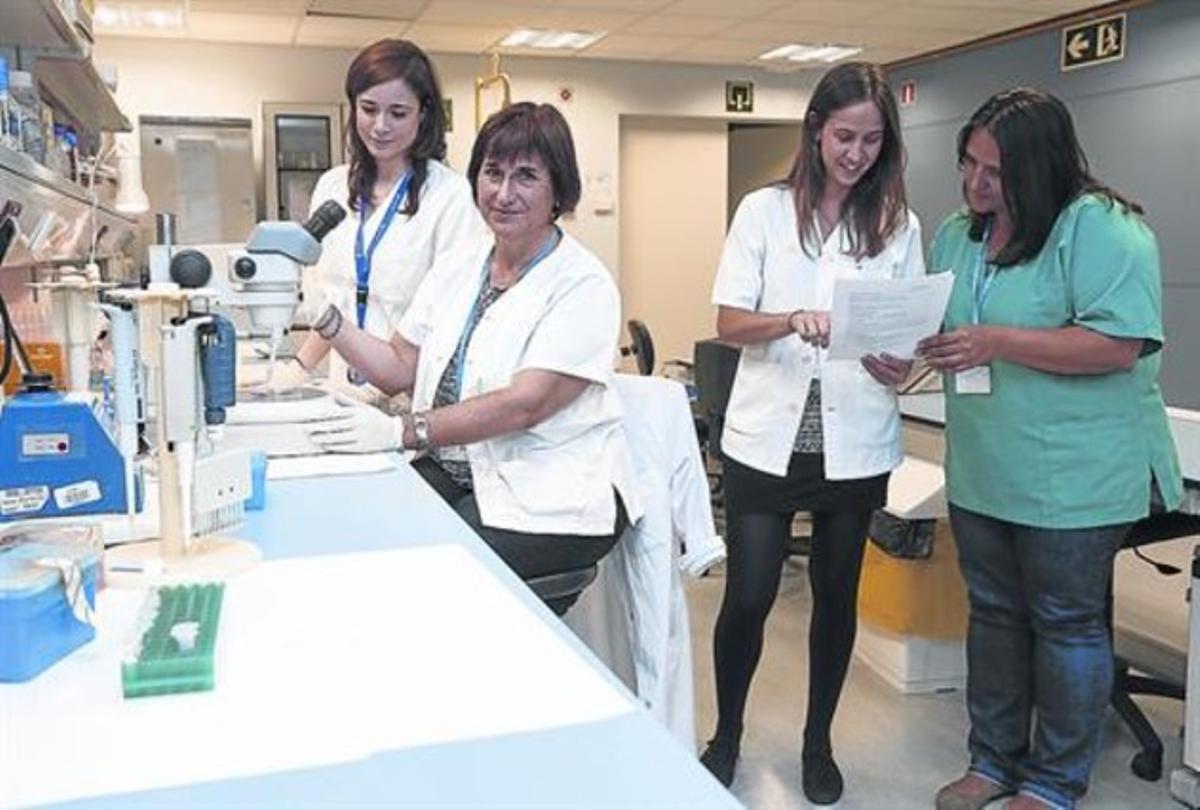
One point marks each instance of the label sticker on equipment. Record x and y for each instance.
(77, 494)
(20, 500)
(46, 444)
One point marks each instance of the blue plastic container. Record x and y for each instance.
(37, 626)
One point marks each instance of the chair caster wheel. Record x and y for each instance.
(1147, 765)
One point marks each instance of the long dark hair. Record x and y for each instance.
(381, 62)
(1042, 167)
(876, 207)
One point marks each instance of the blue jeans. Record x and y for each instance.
(1038, 646)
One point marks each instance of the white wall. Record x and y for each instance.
(174, 77)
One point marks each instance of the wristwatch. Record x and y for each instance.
(329, 324)
(420, 426)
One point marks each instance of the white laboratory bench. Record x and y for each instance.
(381, 655)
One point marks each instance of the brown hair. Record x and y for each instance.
(381, 62)
(876, 207)
(524, 129)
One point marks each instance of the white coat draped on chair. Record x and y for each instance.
(636, 613)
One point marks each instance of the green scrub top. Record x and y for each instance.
(1062, 451)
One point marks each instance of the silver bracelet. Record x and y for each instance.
(420, 426)
(329, 324)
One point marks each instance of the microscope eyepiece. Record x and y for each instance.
(325, 219)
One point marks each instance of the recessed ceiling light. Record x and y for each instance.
(163, 17)
(549, 40)
(812, 53)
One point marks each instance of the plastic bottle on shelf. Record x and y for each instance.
(62, 158)
(7, 137)
(24, 99)
(72, 152)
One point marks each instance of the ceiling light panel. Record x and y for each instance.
(811, 53)
(126, 16)
(543, 39)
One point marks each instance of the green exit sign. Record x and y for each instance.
(1093, 43)
(739, 97)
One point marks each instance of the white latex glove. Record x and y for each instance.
(285, 375)
(357, 428)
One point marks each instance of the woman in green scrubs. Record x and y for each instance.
(1056, 438)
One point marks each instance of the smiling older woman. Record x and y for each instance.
(508, 351)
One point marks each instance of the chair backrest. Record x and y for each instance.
(714, 366)
(642, 347)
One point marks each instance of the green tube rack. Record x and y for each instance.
(163, 666)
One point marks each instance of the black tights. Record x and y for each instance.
(757, 548)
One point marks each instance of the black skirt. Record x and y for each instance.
(803, 489)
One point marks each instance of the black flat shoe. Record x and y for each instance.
(720, 757)
(821, 778)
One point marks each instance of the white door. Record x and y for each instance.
(673, 181)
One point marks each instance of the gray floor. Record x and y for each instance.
(894, 750)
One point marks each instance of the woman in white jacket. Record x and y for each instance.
(803, 433)
(507, 351)
(406, 206)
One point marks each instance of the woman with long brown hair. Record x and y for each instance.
(803, 432)
(406, 206)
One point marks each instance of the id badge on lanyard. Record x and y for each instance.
(978, 380)
(364, 255)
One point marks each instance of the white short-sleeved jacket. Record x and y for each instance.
(564, 315)
(446, 217)
(763, 269)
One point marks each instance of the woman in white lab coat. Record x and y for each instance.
(405, 205)
(508, 351)
(804, 433)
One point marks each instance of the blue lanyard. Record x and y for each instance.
(981, 280)
(362, 258)
(464, 340)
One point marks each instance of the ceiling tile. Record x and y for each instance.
(838, 12)
(634, 6)
(349, 33)
(738, 9)
(382, 9)
(271, 29)
(524, 16)
(914, 39)
(455, 38)
(780, 32)
(677, 25)
(633, 47)
(1057, 8)
(280, 7)
(722, 50)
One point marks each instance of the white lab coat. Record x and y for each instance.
(638, 605)
(564, 316)
(446, 217)
(763, 269)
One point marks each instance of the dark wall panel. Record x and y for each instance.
(1139, 120)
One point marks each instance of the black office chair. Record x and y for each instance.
(1147, 763)
(714, 365)
(641, 347)
(559, 591)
